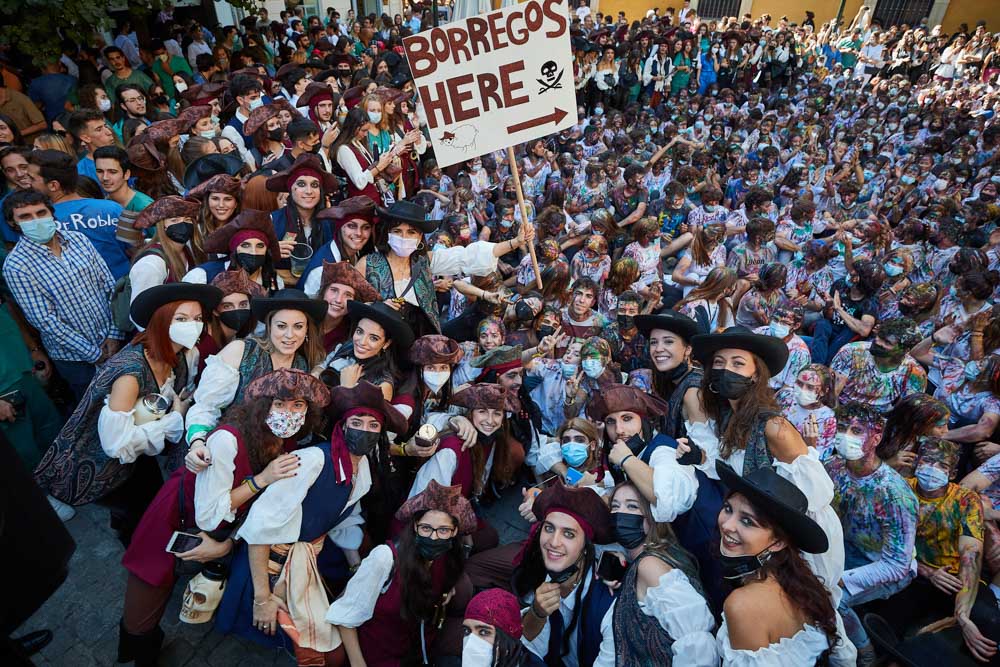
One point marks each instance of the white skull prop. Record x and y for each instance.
(201, 598)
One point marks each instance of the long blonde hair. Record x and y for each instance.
(178, 262)
(713, 289)
(710, 234)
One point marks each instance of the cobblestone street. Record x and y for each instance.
(84, 613)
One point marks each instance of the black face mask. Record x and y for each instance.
(880, 351)
(626, 321)
(523, 311)
(250, 262)
(315, 149)
(565, 575)
(180, 232)
(276, 134)
(628, 529)
(431, 549)
(546, 330)
(728, 384)
(235, 319)
(360, 442)
(483, 439)
(737, 567)
(678, 372)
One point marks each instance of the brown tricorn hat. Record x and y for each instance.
(290, 384)
(343, 273)
(435, 349)
(623, 397)
(171, 206)
(447, 499)
(486, 395)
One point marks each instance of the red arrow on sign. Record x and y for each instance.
(554, 117)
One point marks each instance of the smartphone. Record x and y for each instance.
(573, 476)
(610, 567)
(181, 542)
(636, 443)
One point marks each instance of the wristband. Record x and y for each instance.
(252, 485)
(536, 614)
(622, 464)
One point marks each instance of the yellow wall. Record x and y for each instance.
(795, 10)
(970, 11)
(959, 11)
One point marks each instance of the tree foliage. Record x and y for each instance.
(36, 27)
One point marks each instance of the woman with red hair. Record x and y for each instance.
(132, 408)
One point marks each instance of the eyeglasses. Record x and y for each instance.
(442, 532)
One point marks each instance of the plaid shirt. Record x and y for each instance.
(67, 298)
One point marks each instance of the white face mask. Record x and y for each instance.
(104, 105)
(930, 478)
(849, 446)
(805, 397)
(403, 247)
(476, 652)
(436, 379)
(186, 334)
(180, 86)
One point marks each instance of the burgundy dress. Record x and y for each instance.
(386, 639)
(146, 556)
(370, 189)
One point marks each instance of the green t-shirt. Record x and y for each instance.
(135, 77)
(139, 202)
(848, 60)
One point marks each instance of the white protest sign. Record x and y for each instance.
(495, 80)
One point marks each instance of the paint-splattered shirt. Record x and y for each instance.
(879, 516)
(798, 358)
(990, 469)
(941, 521)
(826, 421)
(867, 384)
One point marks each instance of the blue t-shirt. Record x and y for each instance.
(52, 90)
(97, 219)
(86, 167)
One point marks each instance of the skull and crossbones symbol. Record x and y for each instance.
(552, 76)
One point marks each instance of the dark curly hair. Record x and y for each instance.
(248, 418)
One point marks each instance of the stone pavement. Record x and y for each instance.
(84, 613)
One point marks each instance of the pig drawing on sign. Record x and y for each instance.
(462, 137)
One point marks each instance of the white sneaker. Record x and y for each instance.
(64, 511)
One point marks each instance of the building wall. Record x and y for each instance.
(970, 11)
(795, 10)
(958, 11)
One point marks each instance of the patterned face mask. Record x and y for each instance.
(285, 424)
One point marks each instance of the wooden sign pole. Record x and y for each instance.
(516, 175)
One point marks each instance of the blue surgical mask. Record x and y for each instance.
(930, 478)
(779, 329)
(256, 104)
(575, 453)
(568, 369)
(893, 270)
(375, 117)
(906, 178)
(592, 367)
(40, 230)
